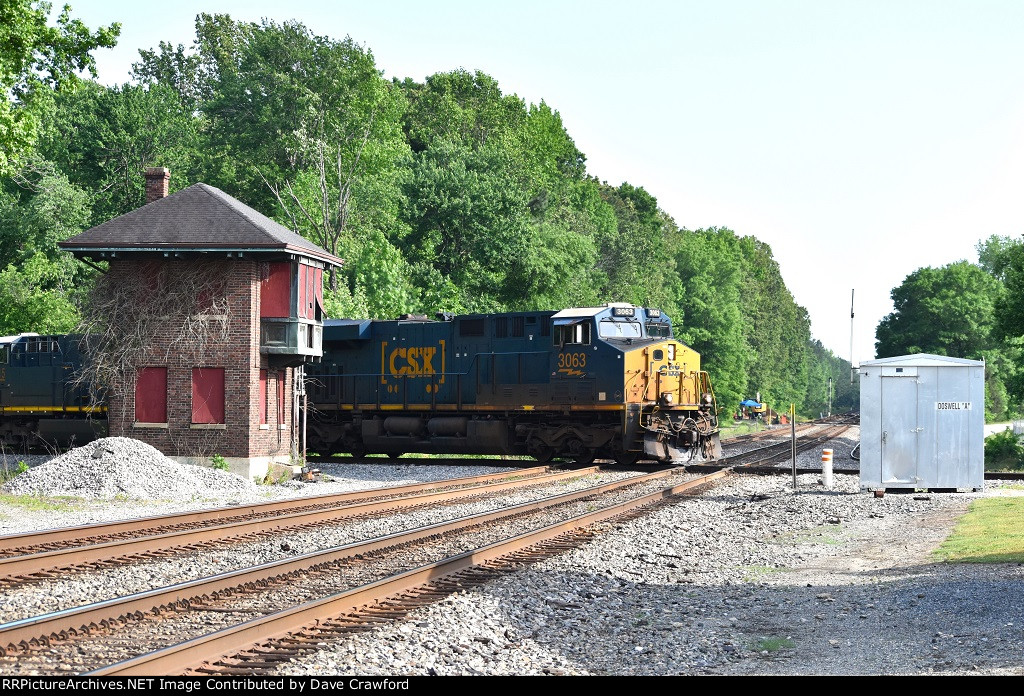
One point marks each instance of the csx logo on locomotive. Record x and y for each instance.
(415, 361)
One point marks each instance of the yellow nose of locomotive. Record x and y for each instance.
(666, 373)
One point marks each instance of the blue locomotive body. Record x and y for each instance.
(576, 384)
(39, 399)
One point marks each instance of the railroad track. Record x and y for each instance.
(104, 623)
(249, 620)
(46, 554)
(776, 453)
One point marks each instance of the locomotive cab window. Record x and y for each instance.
(3, 355)
(609, 328)
(572, 334)
(659, 330)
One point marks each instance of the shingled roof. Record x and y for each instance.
(200, 217)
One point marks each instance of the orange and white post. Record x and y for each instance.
(826, 468)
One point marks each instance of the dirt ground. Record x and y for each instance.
(887, 608)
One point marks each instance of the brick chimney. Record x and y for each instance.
(157, 179)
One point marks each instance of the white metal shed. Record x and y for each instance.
(922, 423)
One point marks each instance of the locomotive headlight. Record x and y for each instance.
(666, 398)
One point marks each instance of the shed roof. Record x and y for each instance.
(922, 360)
(200, 217)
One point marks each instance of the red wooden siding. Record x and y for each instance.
(311, 276)
(303, 288)
(208, 395)
(276, 291)
(151, 395)
(280, 398)
(320, 291)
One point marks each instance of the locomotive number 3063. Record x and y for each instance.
(572, 360)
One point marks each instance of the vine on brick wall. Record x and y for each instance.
(151, 313)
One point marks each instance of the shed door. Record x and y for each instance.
(899, 430)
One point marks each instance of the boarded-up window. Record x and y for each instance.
(276, 290)
(207, 395)
(212, 297)
(151, 395)
(263, 397)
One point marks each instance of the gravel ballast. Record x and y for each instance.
(750, 578)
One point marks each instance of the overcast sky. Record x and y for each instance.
(861, 140)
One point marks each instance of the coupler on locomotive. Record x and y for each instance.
(675, 436)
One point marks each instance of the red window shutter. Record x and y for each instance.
(311, 276)
(151, 395)
(280, 398)
(263, 397)
(208, 395)
(320, 291)
(303, 289)
(276, 290)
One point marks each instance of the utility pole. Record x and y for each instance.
(829, 397)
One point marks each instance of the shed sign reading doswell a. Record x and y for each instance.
(952, 405)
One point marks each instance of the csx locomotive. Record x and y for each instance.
(609, 382)
(39, 398)
(577, 384)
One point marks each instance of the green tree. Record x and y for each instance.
(468, 221)
(779, 330)
(105, 137)
(963, 311)
(40, 285)
(35, 60)
(712, 323)
(299, 125)
(944, 311)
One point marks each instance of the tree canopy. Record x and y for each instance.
(446, 194)
(37, 59)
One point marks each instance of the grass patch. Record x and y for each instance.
(37, 502)
(7, 473)
(755, 573)
(773, 644)
(992, 531)
(735, 428)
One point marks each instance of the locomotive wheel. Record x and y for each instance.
(627, 458)
(543, 454)
(584, 458)
(580, 453)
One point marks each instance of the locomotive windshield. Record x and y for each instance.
(609, 328)
(659, 330)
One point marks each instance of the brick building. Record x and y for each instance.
(225, 305)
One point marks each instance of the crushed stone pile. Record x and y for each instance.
(120, 466)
